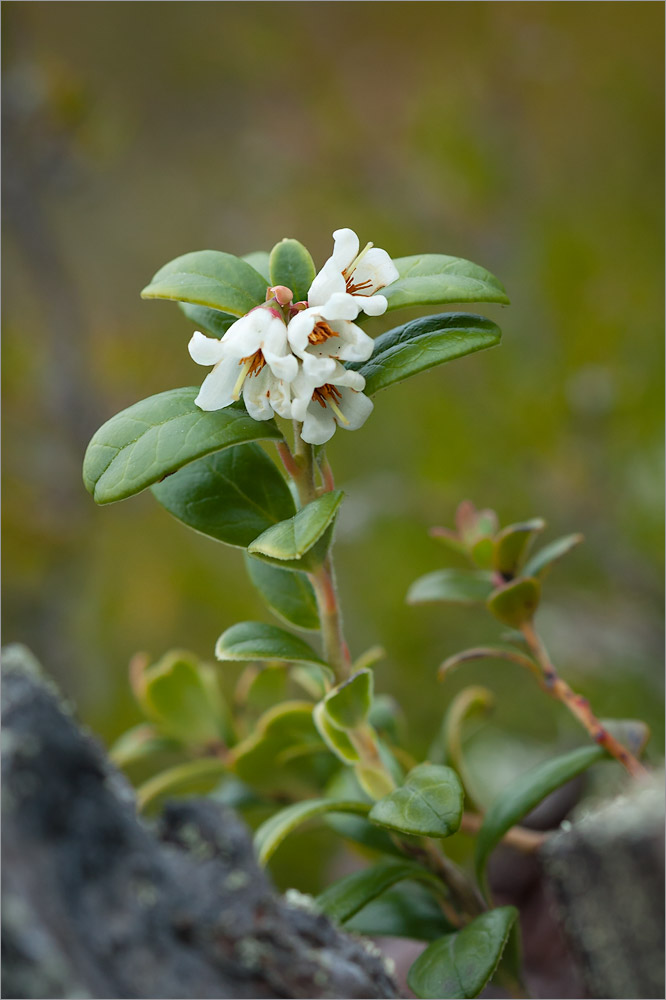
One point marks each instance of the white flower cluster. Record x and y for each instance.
(287, 358)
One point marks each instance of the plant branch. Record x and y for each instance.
(578, 706)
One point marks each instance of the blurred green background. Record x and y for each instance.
(525, 137)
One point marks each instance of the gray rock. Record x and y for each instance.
(97, 904)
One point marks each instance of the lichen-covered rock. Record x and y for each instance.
(607, 875)
(95, 904)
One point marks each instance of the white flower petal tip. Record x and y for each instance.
(358, 274)
(339, 402)
(205, 350)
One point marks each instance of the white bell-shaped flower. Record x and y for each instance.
(339, 402)
(357, 274)
(253, 359)
(323, 335)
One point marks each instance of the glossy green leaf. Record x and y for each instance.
(138, 743)
(347, 706)
(511, 545)
(287, 593)
(350, 894)
(406, 910)
(517, 602)
(431, 278)
(259, 260)
(211, 320)
(155, 437)
(541, 560)
(270, 834)
(459, 965)
(315, 680)
(468, 702)
(291, 265)
(344, 785)
(209, 278)
(424, 344)
(335, 739)
(232, 495)
(266, 760)
(194, 777)
(291, 542)
(374, 780)
(257, 641)
(458, 586)
(525, 793)
(182, 697)
(430, 803)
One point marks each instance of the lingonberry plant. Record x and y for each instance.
(290, 363)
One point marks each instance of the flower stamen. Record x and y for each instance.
(330, 395)
(321, 332)
(348, 271)
(251, 365)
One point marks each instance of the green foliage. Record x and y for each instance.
(287, 593)
(209, 278)
(457, 586)
(541, 561)
(138, 743)
(516, 603)
(153, 438)
(344, 898)
(182, 697)
(293, 542)
(432, 278)
(336, 739)
(408, 910)
(194, 777)
(348, 705)
(459, 965)
(424, 344)
(291, 265)
(525, 793)
(232, 495)
(256, 641)
(283, 753)
(511, 545)
(270, 834)
(429, 803)
(211, 320)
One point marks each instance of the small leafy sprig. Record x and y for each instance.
(509, 580)
(305, 736)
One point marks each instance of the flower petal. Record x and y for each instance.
(376, 267)
(327, 283)
(217, 388)
(256, 395)
(345, 247)
(318, 424)
(205, 350)
(355, 407)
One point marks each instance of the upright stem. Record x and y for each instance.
(301, 467)
(578, 706)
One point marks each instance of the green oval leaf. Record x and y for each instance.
(138, 743)
(259, 260)
(516, 603)
(335, 739)
(211, 320)
(525, 793)
(549, 554)
(182, 697)
(511, 545)
(348, 705)
(430, 278)
(290, 542)
(430, 803)
(291, 265)
(270, 834)
(346, 897)
(232, 495)
(287, 593)
(269, 758)
(194, 777)
(209, 278)
(406, 910)
(458, 586)
(155, 437)
(256, 641)
(459, 965)
(423, 344)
